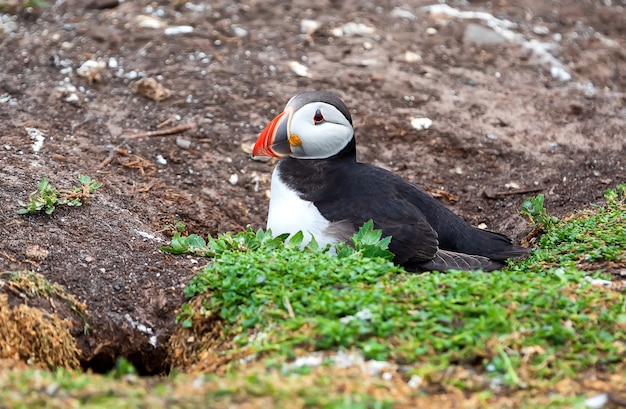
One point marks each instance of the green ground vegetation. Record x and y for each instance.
(531, 334)
(47, 196)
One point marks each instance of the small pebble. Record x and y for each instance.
(368, 62)
(52, 388)
(415, 381)
(541, 30)
(233, 179)
(177, 30)
(597, 402)
(560, 74)
(198, 382)
(161, 160)
(183, 143)
(299, 69)
(72, 98)
(240, 32)
(149, 22)
(402, 13)
(477, 34)
(411, 57)
(309, 26)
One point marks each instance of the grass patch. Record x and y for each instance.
(593, 235)
(539, 319)
(255, 387)
(548, 331)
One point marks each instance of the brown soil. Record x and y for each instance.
(501, 122)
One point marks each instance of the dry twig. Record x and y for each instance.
(289, 308)
(113, 152)
(495, 194)
(162, 132)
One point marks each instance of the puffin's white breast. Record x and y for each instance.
(288, 213)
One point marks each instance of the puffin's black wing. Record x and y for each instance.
(455, 235)
(425, 234)
(356, 194)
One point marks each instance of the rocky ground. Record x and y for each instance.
(523, 99)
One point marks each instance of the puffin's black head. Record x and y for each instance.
(314, 125)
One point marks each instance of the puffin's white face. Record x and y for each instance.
(308, 128)
(318, 130)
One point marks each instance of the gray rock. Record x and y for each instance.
(477, 34)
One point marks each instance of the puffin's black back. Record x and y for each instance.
(345, 190)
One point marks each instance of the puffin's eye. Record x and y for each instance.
(318, 118)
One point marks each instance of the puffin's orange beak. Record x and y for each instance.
(273, 141)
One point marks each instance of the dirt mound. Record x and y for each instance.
(541, 109)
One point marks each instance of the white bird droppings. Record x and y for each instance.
(299, 69)
(36, 135)
(353, 29)
(421, 123)
(560, 74)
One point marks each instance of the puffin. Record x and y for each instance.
(318, 187)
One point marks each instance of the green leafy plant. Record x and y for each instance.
(242, 255)
(47, 197)
(176, 227)
(541, 318)
(535, 212)
(368, 242)
(586, 236)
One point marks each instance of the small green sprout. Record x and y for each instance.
(533, 210)
(177, 227)
(47, 197)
